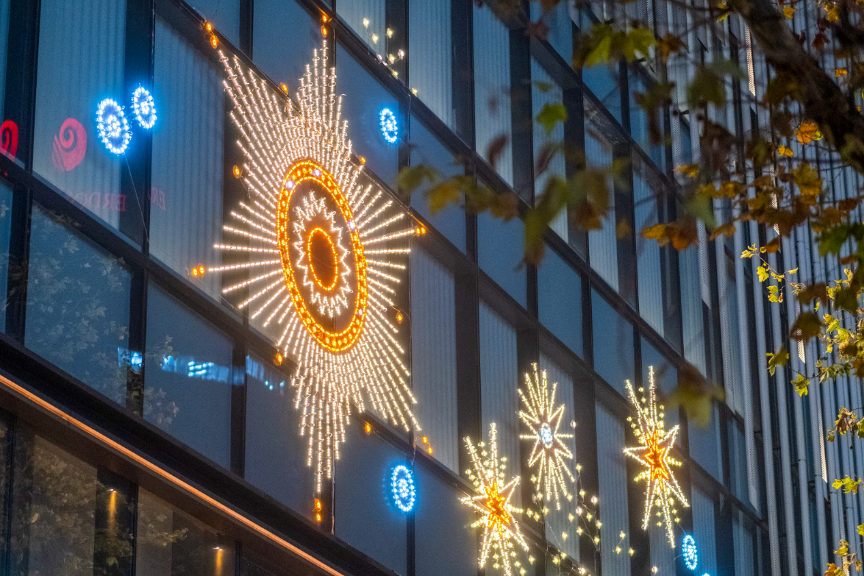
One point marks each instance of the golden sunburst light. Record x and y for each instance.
(548, 455)
(321, 255)
(500, 528)
(653, 454)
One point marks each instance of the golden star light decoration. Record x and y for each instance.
(500, 528)
(653, 454)
(549, 454)
(324, 254)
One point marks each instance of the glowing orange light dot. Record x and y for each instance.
(317, 517)
(368, 428)
(284, 87)
(208, 26)
(237, 172)
(430, 449)
(214, 42)
(425, 440)
(399, 317)
(278, 359)
(362, 160)
(318, 505)
(323, 30)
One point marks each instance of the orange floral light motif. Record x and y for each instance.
(500, 528)
(653, 454)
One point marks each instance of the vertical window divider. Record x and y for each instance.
(19, 260)
(461, 34)
(22, 47)
(238, 407)
(10, 421)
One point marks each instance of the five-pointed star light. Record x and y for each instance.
(543, 419)
(493, 503)
(653, 454)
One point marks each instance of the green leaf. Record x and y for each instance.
(832, 239)
(550, 115)
(779, 358)
(411, 177)
(802, 385)
(706, 88)
(806, 326)
(444, 193)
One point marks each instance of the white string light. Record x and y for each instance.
(304, 196)
(548, 455)
(144, 108)
(656, 443)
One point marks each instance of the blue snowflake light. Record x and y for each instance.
(144, 108)
(402, 486)
(691, 556)
(389, 126)
(112, 126)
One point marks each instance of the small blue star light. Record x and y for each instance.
(389, 126)
(402, 487)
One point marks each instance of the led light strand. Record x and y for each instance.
(112, 126)
(389, 126)
(143, 107)
(662, 488)
(402, 488)
(303, 188)
(548, 454)
(500, 528)
(689, 551)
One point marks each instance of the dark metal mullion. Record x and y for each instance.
(22, 48)
(19, 259)
(6, 516)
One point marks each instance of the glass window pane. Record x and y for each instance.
(559, 295)
(187, 377)
(427, 150)
(53, 517)
(368, 20)
(646, 200)
(284, 61)
(704, 443)
(692, 318)
(172, 543)
(186, 195)
(362, 107)
(363, 499)
(224, 14)
(553, 95)
(612, 474)
(665, 378)
(78, 306)
(492, 88)
(5, 235)
(500, 247)
(433, 354)
(703, 530)
(276, 454)
(499, 377)
(560, 23)
(602, 81)
(431, 54)
(443, 543)
(81, 49)
(613, 344)
(603, 243)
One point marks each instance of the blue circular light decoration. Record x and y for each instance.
(112, 126)
(402, 486)
(546, 435)
(691, 556)
(144, 108)
(389, 126)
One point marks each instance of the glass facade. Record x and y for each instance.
(150, 420)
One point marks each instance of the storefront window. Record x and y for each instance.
(276, 454)
(186, 192)
(81, 58)
(188, 376)
(78, 306)
(172, 543)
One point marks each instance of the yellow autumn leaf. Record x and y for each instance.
(832, 15)
(840, 72)
(788, 11)
(688, 169)
(807, 132)
(785, 151)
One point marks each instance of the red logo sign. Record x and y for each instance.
(9, 139)
(70, 146)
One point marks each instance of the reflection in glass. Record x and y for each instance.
(187, 378)
(78, 306)
(276, 454)
(81, 56)
(186, 193)
(172, 543)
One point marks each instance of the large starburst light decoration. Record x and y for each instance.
(653, 453)
(500, 528)
(549, 453)
(320, 247)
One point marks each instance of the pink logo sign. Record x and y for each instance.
(70, 146)
(9, 139)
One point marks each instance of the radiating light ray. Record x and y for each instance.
(543, 419)
(304, 195)
(656, 443)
